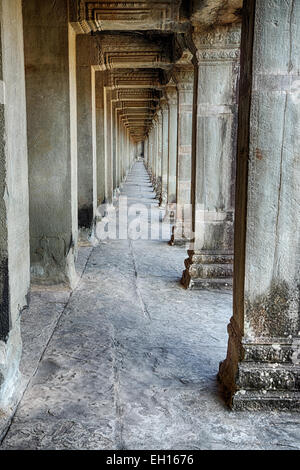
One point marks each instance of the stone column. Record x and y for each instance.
(214, 153)
(124, 152)
(171, 93)
(14, 199)
(122, 149)
(165, 152)
(108, 146)
(262, 369)
(100, 146)
(150, 152)
(114, 147)
(87, 55)
(50, 61)
(119, 144)
(128, 153)
(155, 150)
(146, 151)
(184, 78)
(159, 155)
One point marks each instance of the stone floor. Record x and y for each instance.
(129, 359)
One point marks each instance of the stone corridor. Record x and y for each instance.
(129, 360)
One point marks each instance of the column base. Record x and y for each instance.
(208, 271)
(158, 188)
(155, 185)
(10, 377)
(178, 238)
(85, 216)
(262, 387)
(170, 213)
(266, 401)
(163, 200)
(261, 373)
(51, 264)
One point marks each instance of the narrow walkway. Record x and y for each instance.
(133, 357)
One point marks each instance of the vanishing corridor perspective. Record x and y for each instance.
(149, 224)
(130, 360)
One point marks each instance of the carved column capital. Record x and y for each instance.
(219, 44)
(184, 77)
(171, 93)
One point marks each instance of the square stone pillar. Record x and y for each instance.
(171, 94)
(114, 146)
(155, 151)
(262, 369)
(50, 61)
(108, 145)
(127, 150)
(184, 78)
(210, 262)
(100, 145)
(165, 151)
(119, 110)
(87, 57)
(122, 149)
(125, 155)
(146, 151)
(150, 153)
(159, 155)
(14, 200)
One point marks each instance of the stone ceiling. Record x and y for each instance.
(140, 42)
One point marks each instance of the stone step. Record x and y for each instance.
(266, 401)
(211, 284)
(264, 376)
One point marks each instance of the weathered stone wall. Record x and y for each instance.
(14, 222)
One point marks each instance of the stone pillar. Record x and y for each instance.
(184, 78)
(100, 145)
(87, 55)
(159, 155)
(128, 153)
(146, 151)
(118, 145)
(14, 199)
(50, 60)
(171, 93)
(154, 152)
(165, 152)
(150, 152)
(262, 369)
(214, 153)
(108, 145)
(125, 156)
(122, 149)
(114, 147)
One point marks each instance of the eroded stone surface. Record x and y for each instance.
(132, 362)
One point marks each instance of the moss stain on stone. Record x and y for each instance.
(270, 314)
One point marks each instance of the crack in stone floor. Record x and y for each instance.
(112, 377)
